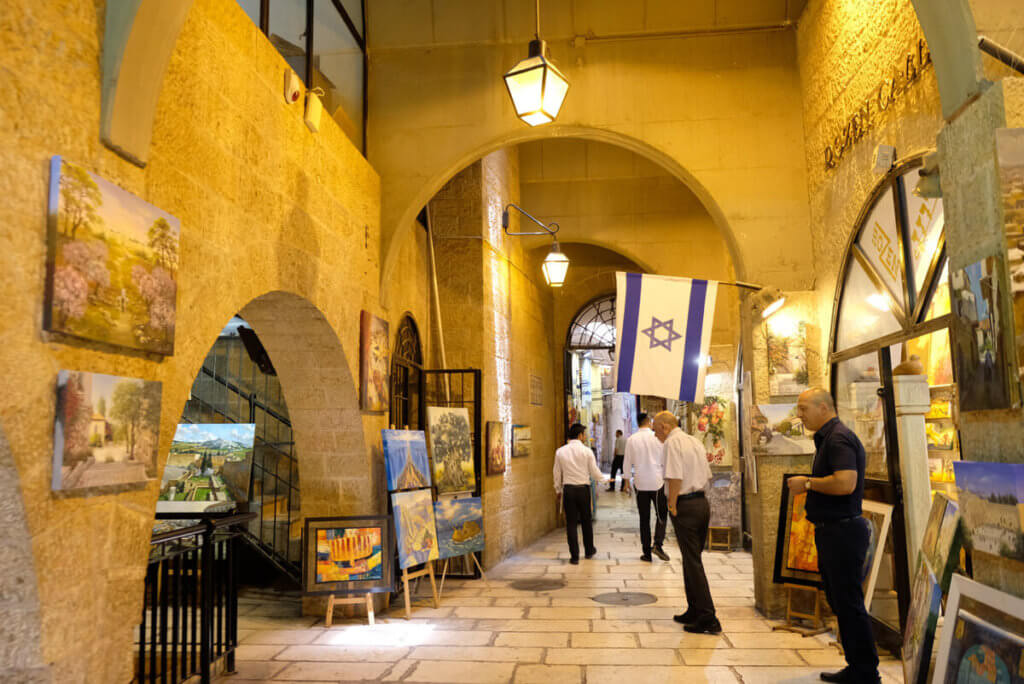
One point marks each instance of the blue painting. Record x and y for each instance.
(405, 458)
(981, 652)
(415, 529)
(460, 526)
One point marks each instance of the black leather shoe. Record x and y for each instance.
(847, 676)
(574, 561)
(711, 626)
(660, 553)
(646, 558)
(591, 554)
(684, 618)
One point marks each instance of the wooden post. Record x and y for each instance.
(333, 601)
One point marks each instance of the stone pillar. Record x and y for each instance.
(913, 400)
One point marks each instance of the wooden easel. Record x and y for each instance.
(818, 625)
(333, 600)
(444, 572)
(427, 570)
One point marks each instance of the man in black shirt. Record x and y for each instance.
(835, 490)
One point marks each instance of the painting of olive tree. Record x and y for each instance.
(106, 430)
(112, 265)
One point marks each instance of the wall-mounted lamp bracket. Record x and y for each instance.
(548, 230)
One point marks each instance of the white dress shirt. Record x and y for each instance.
(620, 446)
(645, 460)
(575, 465)
(686, 460)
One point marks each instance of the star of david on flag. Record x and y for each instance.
(663, 329)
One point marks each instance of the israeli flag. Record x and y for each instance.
(663, 329)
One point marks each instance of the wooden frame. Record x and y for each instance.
(310, 585)
(875, 508)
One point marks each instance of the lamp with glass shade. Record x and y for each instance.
(536, 86)
(555, 266)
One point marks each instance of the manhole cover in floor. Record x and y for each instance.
(625, 598)
(537, 585)
(625, 530)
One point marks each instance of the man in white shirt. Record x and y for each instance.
(574, 468)
(644, 464)
(686, 475)
(618, 458)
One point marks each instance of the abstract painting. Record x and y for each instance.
(208, 467)
(106, 430)
(374, 363)
(990, 497)
(879, 517)
(522, 441)
(451, 448)
(347, 555)
(1010, 153)
(941, 543)
(415, 531)
(405, 459)
(112, 264)
(711, 422)
(978, 335)
(796, 555)
(787, 359)
(922, 617)
(775, 429)
(982, 636)
(460, 526)
(495, 448)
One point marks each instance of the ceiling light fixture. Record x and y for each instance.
(556, 264)
(536, 86)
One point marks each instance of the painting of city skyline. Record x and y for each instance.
(460, 526)
(990, 496)
(451, 448)
(775, 429)
(405, 459)
(1010, 153)
(112, 263)
(941, 542)
(209, 465)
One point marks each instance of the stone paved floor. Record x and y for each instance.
(498, 634)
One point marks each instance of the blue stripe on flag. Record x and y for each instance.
(627, 345)
(694, 333)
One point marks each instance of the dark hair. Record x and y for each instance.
(642, 418)
(576, 430)
(618, 432)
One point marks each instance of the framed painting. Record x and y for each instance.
(405, 459)
(495, 447)
(460, 526)
(941, 542)
(106, 430)
(522, 441)
(796, 555)
(711, 423)
(775, 429)
(989, 496)
(982, 637)
(879, 517)
(374, 363)
(1010, 155)
(112, 263)
(787, 358)
(536, 390)
(922, 617)
(209, 467)
(415, 529)
(347, 555)
(723, 493)
(451, 448)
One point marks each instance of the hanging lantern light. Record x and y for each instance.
(536, 86)
(555, 266)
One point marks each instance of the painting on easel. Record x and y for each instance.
(347, 555)
(460, 526)
(415, 529)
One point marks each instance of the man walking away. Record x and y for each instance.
(620, 451)
(644, 465)
(686, 475)
(835, 491)
(574, 468)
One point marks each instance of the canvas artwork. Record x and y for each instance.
(451, 448)
(405, 459)
(106, 430)
(982, 636)
(776, 429)
(787, 360)
(941, 542)
(460, 526)
(922, 617)
(209, 466)
(536, 390)
(495, 453)
(347, 555)
(522, 441)
(978, 335)
(749, 458)
(711, 423)
(1010, 153)
(990, 497)
(723, 493)
(415, 530)
(796, 555)
(112, 264)
(879, 517)
(374, 362)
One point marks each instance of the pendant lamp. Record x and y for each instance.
(536, 86)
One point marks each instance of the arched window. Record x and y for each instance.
(406, 367)
(593, 328)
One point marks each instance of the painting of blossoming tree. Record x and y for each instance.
(113, 262)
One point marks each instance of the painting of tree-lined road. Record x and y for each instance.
(113, 263)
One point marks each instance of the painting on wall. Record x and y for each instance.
(106, 430)
(374, 363)
(787, 359)
(405, 459)
(990, 497)
(460, 526)
(775, 429)
(451, 448)
(347, 555)
(796, 555)
(922, 617)
(982, 636)
(978, 335)
(536, 390)
(415, 530)
(941, 542)
(879, 517)
(1010, 153)
(495, 447)
(208, 467)
(522, 441)
(711, 423)
(112, 264)
(723, 493)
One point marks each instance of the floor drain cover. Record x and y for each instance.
(625, 530)
(625, 598)
(537, 585)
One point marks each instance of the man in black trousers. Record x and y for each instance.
(835, 491)
(618, 455)
(574, 468)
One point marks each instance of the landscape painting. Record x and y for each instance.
(1010, 153)
(415, 530)
(522, 441)
(941, 542)
(209, 465)
(451, 448)
(374, 363)
(990, 497)
(796, 555)
(347, 555)
(460, 526)
(775, 429)
(922, 617)
(405, 459)
(495, 448)
(112, 264)
(787, 360)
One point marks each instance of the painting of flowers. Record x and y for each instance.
(710, 422)
(112, 265)
(375, 360)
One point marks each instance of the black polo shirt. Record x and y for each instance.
(838, 448)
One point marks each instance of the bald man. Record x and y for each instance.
(834, 491)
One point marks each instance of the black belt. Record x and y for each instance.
(572, 485)
(837, 521)
(699, 494)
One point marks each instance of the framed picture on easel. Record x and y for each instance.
(347, 555)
